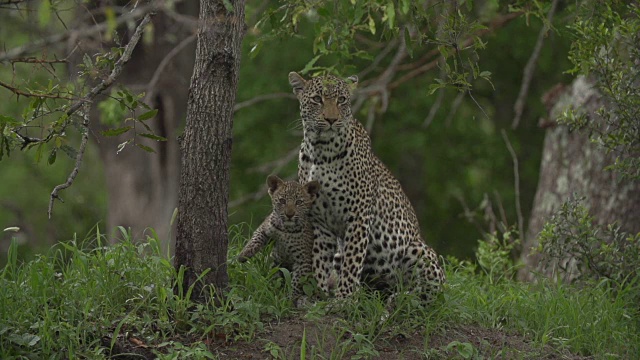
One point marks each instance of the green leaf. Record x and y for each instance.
(404, 7)
(390, 12)
(44, 13)
(148, 115)
(39, 153)
(8, 120)
(110, 15)
(372, 25)
(24, 339)
(71, 152)
(145, 148)
(86, 59)
(407, 42)
(116, 132)
(52, 156)
(309, 65)
(153, 137)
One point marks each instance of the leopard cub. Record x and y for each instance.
(289, 227)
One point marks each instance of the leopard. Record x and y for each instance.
(364, 225)
(288, 225)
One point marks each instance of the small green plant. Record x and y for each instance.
(464, 350)
(494, 255)
(581, 250)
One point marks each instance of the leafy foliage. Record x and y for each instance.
(494, 255)
(582, 250)
(337, 26)
(605, 47)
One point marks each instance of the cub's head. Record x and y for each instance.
(325, 101)
(291, 201)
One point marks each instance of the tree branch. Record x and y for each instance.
(518, 107)
(19, 92)
(85, 103)
(260, 98)
(79, 156)
(151, 86)
(516, 175)
(494, 25)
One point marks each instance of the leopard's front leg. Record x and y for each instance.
(324, 247)
(258, 240)
(356, 240)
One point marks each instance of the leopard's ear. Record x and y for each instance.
(313, 188)
(297, 83)
(353, 82)
(273, 183)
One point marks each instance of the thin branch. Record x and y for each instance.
(163, 64)
(516, 175)
(85, 103)
(34, 60)
(79, 156)
(378, 59)
(494, 25)
(454, 107)
(273, 167)
(529, 69)
(503, 214)
(260, 98)
(21, 51)
(19, 92)
(436, 105)
(117, 68)
(380, 87)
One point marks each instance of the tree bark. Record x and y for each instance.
(571, 163)
(201, 242)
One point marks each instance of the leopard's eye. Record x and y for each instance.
(317, 99)
(299, 202)
(282, 201)
(342, 99)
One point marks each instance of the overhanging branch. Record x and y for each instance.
(85, 103)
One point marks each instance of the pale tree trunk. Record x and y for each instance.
(142, 187)
(572, 164)
(201, 241)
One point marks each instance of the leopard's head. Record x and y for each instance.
(291, 201)
(325, 101)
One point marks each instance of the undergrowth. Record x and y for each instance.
(85, 299)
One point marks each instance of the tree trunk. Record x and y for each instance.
(201, 241)
(143, 188)
(571, 163)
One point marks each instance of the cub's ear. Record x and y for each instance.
(353, 82)
(273, 183)
(297, 83)
(312, 188)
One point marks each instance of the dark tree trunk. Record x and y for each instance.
(201, 240)
(571, 163)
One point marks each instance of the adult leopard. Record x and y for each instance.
(361, 206)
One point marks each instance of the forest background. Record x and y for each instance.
(462, 129)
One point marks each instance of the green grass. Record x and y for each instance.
(83, 298)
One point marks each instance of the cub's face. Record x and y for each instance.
(291, 201)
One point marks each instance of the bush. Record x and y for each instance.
(582, 250)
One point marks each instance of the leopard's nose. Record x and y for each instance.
(330, 120)
(289, 213)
